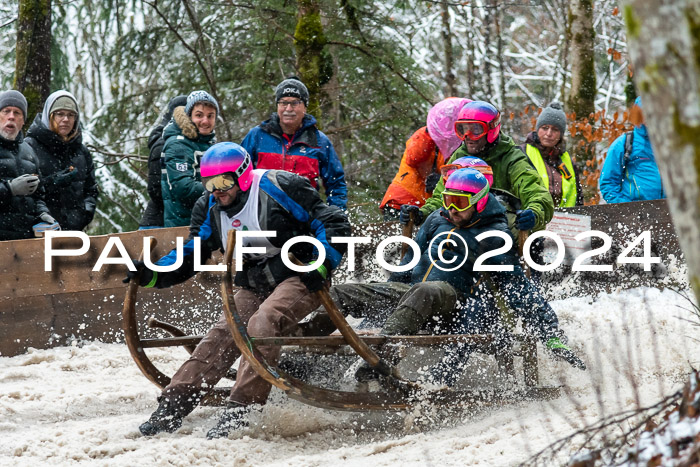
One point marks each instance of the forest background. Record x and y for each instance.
(374, 69)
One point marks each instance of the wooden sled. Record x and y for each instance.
(399, 394)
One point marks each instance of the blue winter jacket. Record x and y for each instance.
(641, 179)
(475, 289)
(308, 153)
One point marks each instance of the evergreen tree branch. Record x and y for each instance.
(390, 66)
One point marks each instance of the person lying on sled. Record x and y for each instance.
(443, 293)
(272, 298)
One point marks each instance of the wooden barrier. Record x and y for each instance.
(42, 309)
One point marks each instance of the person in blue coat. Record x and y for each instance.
(634, 176)
(290, 141)
(443, 292)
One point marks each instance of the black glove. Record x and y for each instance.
(431, 182)
(524, 219)
(24, 185)
(315, 280)
(146, 274)
(405, 214)
(90, 205)
(65, 177)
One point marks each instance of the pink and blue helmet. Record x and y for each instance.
(473, 162)
(228, 158)
(481, 111)
(471, 181)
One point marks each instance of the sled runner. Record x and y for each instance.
(397, 394)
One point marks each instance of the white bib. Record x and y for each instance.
(247, 220)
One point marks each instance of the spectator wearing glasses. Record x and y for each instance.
(444, 294)
(479, 127)
(66, 166)
(188, 135)
(291, 141)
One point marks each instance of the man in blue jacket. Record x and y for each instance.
(630, 172)
(290, 141)
(443, 292)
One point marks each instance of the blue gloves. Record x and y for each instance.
(524, 219)
(405, 214)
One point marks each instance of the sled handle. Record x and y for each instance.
(407, 231)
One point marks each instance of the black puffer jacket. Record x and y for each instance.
(71, 199)
(18, 213)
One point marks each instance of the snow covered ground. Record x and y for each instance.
(82, 405)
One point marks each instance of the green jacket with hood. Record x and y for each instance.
(512, 173)
(181, 183)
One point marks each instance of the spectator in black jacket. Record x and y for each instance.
(67, 170)
(22, 208)
(153, 215)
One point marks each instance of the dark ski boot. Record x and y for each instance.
(234, 417)
(561, 351)
(165, 418)
(366, 373)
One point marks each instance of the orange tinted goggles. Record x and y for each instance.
(471, 129)
(447, 170)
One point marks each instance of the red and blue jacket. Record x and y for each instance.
(308, 153)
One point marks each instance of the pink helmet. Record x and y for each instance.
(228, 158)
(466, 162)
(441, 124)
(470, 181)
(480, 111)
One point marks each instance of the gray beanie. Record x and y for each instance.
(553, 115)
(14, 98)
(200, 97)
(292, 87)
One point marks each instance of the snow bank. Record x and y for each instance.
(82, 405)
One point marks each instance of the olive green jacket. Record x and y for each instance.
(512, 172)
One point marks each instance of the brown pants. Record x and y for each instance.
(266, 315)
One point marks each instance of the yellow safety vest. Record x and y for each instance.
(568, 186)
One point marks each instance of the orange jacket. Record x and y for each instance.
(419, 160)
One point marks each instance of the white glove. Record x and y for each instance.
(24, 185)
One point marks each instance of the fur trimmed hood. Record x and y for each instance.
(184, 122)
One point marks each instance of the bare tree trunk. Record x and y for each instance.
(499, 56)
(664, 44)
(309, 42)
(583, 80)
(488, 18)
(470, 51)
(33, 63)
(450, 88)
